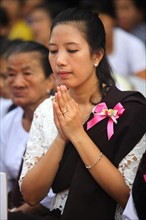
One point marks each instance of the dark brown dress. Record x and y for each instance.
(86, 199)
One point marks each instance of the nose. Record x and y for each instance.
(61, 59)
(18, 80)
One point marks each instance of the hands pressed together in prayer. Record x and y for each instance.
(67, 114)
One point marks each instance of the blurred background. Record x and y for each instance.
(30, 20)
(124, 20)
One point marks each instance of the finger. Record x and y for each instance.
(55, 115)
(61, 100)
(65, 101)
(57, 109)
(68, 101)
(65, 94)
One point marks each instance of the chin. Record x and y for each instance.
(19, 103)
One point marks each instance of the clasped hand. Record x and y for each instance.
(67, 115)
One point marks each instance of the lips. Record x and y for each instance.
(18, 94)
(63, 74)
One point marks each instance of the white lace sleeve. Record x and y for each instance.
(128, 167)
(42, 134)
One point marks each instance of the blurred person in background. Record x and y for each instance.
(30, 5)
(19, 28)
(30, 81)
(4, 23)
(41, 20)
(131, 16)
(125, 52)
(5, 97)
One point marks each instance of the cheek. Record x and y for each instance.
(39, 85)
(52, 61)
(10, 84)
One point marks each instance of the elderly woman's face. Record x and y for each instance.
(26, 79)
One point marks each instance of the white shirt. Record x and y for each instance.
(13, 145)
(4, 105)
(129, 53)
(130, 211)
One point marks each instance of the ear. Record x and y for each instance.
(97, 57)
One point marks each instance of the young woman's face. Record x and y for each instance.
(70, 57)
(26, 79)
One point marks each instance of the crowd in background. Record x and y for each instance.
(29, 21)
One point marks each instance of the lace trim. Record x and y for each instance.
(128, 168)
(60, 200)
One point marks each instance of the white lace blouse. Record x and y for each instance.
(42, 133)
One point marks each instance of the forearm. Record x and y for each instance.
(104, 172)
(38, 180)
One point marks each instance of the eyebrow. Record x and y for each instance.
(69, 43)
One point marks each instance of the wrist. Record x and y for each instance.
(60, 139)
(78, 136)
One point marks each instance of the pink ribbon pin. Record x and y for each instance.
(144, 176)
(101, 112)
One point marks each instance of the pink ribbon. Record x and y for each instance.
(144, 176)
(101, 112)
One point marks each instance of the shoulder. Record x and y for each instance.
(115, 95)
(45, 107)
(14, 115)
(12, 121)
(44, 112)
(134, 104)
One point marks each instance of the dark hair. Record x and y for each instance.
(105, 7)
(140, 5)
(4, 45)
(20, 46)
(4, 18)
(92, 28)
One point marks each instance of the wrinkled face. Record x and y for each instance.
(70, 57)
(127, 14)
(41, 23)
(26, 79)
(4, 88)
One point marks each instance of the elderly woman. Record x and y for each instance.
(30, 80)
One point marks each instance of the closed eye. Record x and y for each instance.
(27, 73)
(72, 51)
(53, 51)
